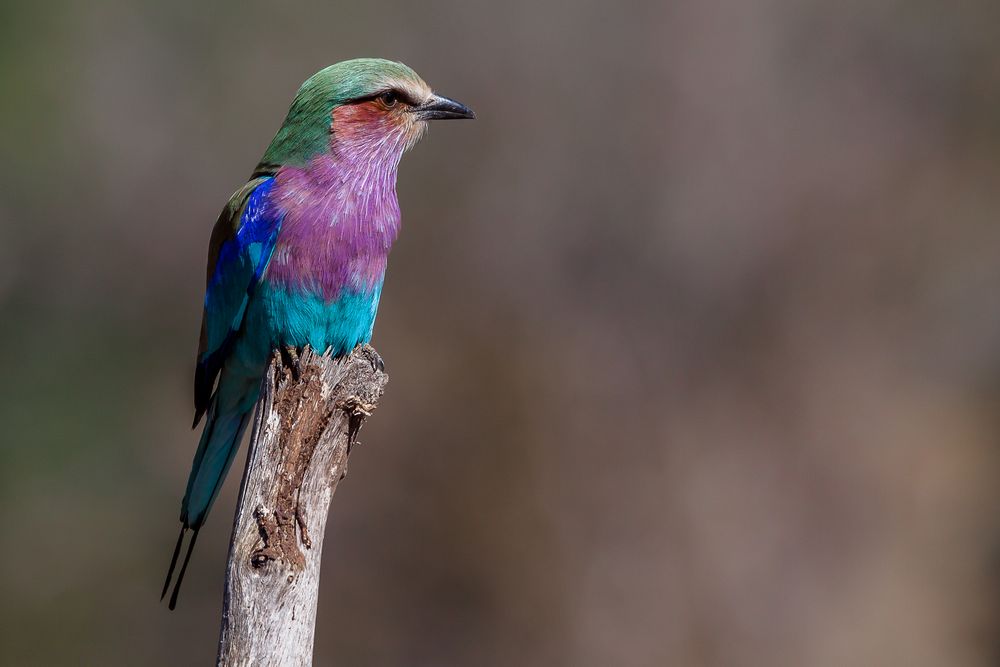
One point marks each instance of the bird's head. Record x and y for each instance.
(358, 107)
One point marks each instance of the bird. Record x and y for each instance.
(298, 255)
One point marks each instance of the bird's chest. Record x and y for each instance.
(291, 316)
(327, 260)
(324, 279)
(333, 236)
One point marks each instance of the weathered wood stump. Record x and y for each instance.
(304, 429)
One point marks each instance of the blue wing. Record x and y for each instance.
(241, 247)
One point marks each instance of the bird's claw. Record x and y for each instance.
(377, 364)
(290, 358)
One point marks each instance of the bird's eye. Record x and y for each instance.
(389, 98)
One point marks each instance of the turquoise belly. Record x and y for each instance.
(278, 316)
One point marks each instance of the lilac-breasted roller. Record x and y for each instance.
(298, 255)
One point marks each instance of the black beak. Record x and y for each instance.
(442, 108)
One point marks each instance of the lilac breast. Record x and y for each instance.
(340, 217)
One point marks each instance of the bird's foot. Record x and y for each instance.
(290, 358)
(378, 365)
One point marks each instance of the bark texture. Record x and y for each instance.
(303, 433)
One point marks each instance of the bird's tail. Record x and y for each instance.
(224, 428)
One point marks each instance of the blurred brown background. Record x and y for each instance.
(694, 336)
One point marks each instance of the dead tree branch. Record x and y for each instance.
(304, 429)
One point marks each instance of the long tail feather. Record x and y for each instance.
(173, 563)
(228, 415)
(184, 567)
(221, 441)
(233, 450)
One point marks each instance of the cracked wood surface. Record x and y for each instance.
(303, 433)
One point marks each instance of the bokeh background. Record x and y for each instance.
(693, 336)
